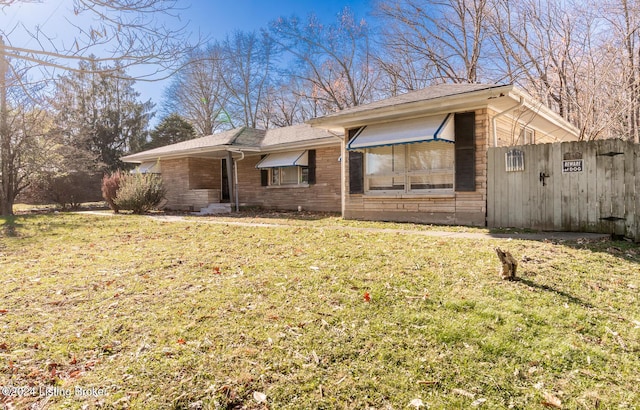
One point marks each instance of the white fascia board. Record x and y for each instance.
(453, 103)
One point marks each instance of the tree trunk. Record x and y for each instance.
(6, 171)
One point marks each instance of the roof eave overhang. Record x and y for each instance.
(308, 144)
(453, 103)
(540, 116)
(193, 152)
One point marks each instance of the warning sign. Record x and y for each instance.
(574, 165)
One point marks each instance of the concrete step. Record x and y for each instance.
(213, 209)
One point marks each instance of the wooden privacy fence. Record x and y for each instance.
(586, 186)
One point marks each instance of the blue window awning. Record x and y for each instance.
(284, 159)
(432, 128)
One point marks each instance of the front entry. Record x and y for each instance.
(225, 197)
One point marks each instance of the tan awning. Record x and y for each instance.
(284, 159)
(433, 128)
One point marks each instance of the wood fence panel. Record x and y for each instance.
(630, 154)
(636, 198)
(602, 196)
(557, 181)
(603, 190)
(618, 201)
(590, 221)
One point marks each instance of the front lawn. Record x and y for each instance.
(128, 312)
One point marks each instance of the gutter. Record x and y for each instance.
(493, 120)
(235, 174)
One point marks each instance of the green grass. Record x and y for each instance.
(304, 218)
(187, 315)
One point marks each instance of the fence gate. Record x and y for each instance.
(586, 186)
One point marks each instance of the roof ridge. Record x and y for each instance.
(237, 134)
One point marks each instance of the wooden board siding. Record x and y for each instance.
(508, 130)
(464, 208)
(323, 196)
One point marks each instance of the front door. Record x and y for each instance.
(225, 182)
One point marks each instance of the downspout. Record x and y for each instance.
(493, 120)
(235, 175)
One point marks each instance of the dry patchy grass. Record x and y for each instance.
(187, 315)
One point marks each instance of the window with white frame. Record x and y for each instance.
(527, 136)
(288, 176)
(411, 168)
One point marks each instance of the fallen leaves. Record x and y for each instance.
(464, 393)
(259, 397)
(417, 403)
(551, 401)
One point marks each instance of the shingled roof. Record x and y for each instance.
(244, 138)
(426, 94)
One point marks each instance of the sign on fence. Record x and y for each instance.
(574, 165)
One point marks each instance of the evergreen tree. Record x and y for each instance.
(97, 110)
(172, 129)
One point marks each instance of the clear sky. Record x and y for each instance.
(212, 18)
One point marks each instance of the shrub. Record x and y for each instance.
(110, 185)
(68, 190)
(139, 192)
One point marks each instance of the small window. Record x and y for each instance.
(288, 176)
(527, 136)
(514, 160)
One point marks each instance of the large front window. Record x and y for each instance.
(419, 167)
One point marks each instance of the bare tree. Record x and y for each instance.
(286, 104)
(130, 33)
(246, 73)
(575, 56)
(445, 40)
(22, 127)
(199, 93)
(334, 61)
(122, 33)
(623, 22)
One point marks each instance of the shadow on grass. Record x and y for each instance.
(10, 226)
(282, 214)
(569, 297)
(24, 226)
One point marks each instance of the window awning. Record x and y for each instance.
(284, 159)
(148, 168)
(433, 128)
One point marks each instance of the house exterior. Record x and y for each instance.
(289, 168)
(422, 156)
(418, 157)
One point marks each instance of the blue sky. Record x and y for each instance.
(212, 18)
(217, 18)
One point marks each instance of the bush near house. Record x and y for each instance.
(139, 192)
(110, 185)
